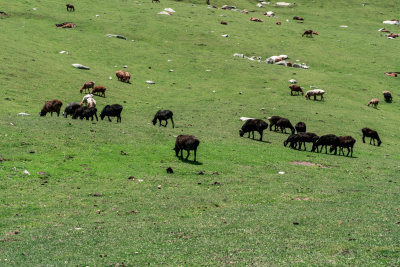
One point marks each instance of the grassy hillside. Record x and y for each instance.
(241, 211)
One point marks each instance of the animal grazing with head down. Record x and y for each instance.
(309, 33)
(127, 77)
(89, 100)
(296, 88)
(186, 142)
(256, 19)
(87, 86)
(300, 127)
(314, 93)
(89, 113)
(113, 110)
(284, 123)
(293, 139)
(79, 111)
(272, 122)
(66, 25)
(374, 102)
(99, 90)
(344, 142)
(51, 106)
(163, 115)
(120, 75)
(70, 7)
(70, 109)
(325, 141)
(388, 96)
(252, 125)
(367, 132)
(298, 18)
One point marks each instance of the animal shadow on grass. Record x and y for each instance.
(190, 161)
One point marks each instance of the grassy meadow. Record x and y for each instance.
(87, 204)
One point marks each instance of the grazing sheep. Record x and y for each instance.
(300, 127)
(252, 125)
(186, 142)
(66, 25)
(296, 88)
(388, 96)
(309, 33)
(273, 120)
(111, 111)
(120, 75)
(70, 109)
(305, 137)
(374, 102)
(367, 132)
(293, 139)
(70, 7)
(89, 100)
(79, 111)
(298, 18)
(51, 106)
(87, 86)
(163, 115)
(127, 77)
(326, 140)
(224, 23)
(89, 113)
(256, 19)
(283, 124)
(314, 93)
(99, 90)
(345, 142)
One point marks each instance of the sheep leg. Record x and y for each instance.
(261, 135)
(187, 155)
(363, 138)
(248, 135)
(118, 117)
(315, 97)
(97, 119)
(159, 122)
(181, 153)
(109, 119)
(304, 143)
(166, 122)
(291, 92)
(252, 133)
(195, 154)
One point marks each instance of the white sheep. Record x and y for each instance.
(314, 93)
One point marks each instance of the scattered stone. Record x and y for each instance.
(200, 172)
(116, 36)
(23, 114)
(281, 172)
(123, 153)
(110, 78)
(80, 66)
(26, 172)
(63, 52)
(216, 183)
(125, 66)
(159, 186)
(283, 4)
(225, 35)
(150, 82)
(97, 194)
(32, 152)
(170, 170)
(295, 223)
(292, 81)
(171, 70)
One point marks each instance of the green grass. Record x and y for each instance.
(347, 212)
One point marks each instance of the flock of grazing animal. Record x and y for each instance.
(190, 142)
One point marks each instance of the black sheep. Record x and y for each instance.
(186, 142)
(307, 138)
(111, 111)
(70, 109)
(367, 132)
(252, 125)
(300, 127)
(345, 142)
(293, 140)
(272, 122)
(285, 123)
(89, 113)
(79, 111)
(164, 115)
(326, 140)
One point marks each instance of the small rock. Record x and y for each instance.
(214, 91)
(216, 183)
(110, 78)
(23, 114)
(281, 172)
(159, 186)
(26, 172)
(200, 172)
(225, 35)
(262, 109)
(125, 66)
(32, 152)
(97, 194)
(171, 70)
(80, 66)
(123, 153)
(169, 170)
(240, 93)
(295, 223)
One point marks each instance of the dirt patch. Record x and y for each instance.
(306, 163)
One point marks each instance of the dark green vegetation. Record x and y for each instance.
(241, 210)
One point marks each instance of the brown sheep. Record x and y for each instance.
(374, 102)
(51, 106)
(256, 19)
(295, 88)
(186, 142)
(309, 33)
(100, 90)
(87, 86)
(127, 77)
(70, 7)
(120, 75)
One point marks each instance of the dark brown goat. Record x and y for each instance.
(79, 111)
(284, 123)
(367, 132)
(345, 142)
(120, 75)
(296, 88)
(326, 140)
(89, 113)
(300, 127)
(272, 122)
(305, 137)
(99, 90)
(51, 106)
(164, 115)
(252, 125)
(87, 86)
(309, 33)
(186, 142)
(70, 7)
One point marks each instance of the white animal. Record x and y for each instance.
(314, 93)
